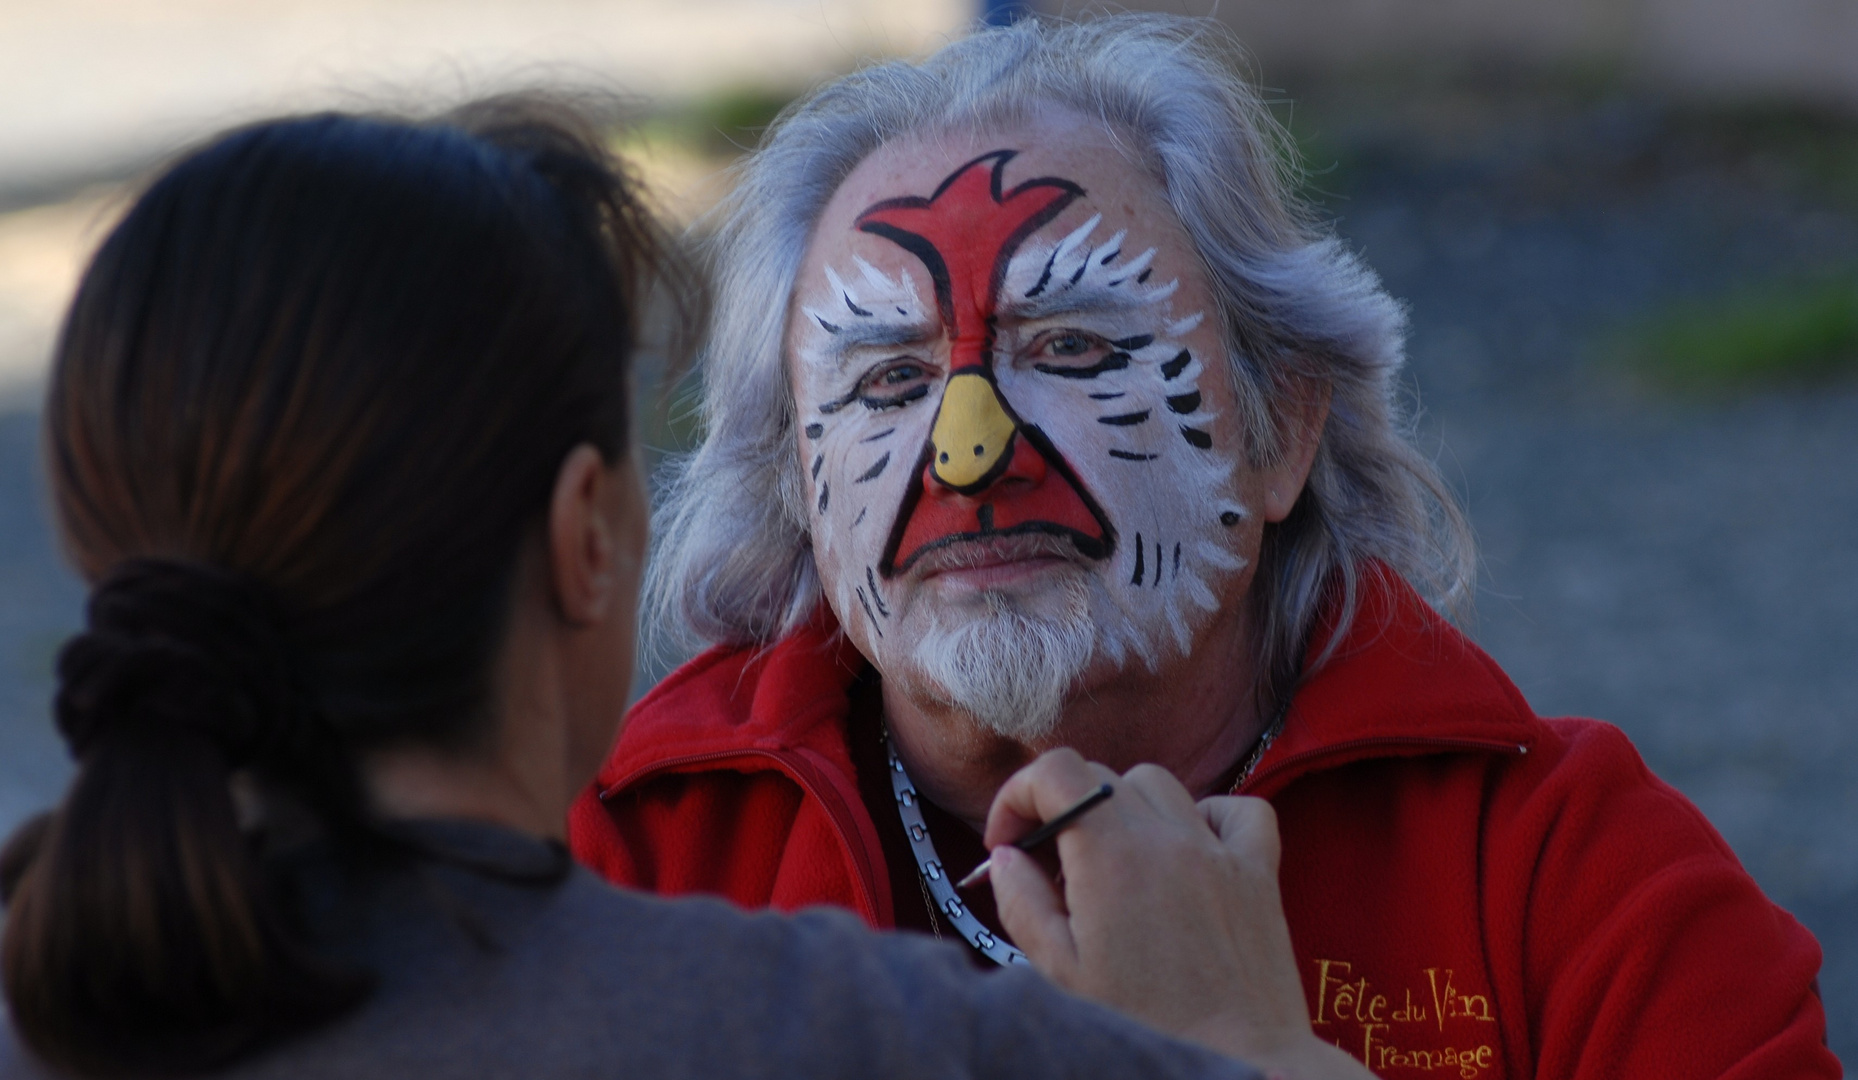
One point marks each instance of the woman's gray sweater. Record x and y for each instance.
(497, 957)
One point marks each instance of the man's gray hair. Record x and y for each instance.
(733, 561)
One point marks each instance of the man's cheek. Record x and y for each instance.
(1141, 440)
(857, 474)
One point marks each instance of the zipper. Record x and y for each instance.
(1273, 769)
(796, 767)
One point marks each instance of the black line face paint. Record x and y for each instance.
(870, 579)
(1185, 403)
(837, 403)
(884, 434)
(856, 310)
(826, 326)
(1173, 368)
(862, 511)
(1045, 277)
(1158, 564)
(1124, 419)
(1197, 438)
(1142, 278)
(1115, 361)
(865, 602)
(825, 493)
(1132, 344)
(818, 460)
(874, 471)
(878, 402)
(1140, 572)
(1124, 455)
(1177, 560)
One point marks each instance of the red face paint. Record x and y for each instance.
(965, 234)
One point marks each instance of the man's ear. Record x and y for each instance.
(1305, 412)
(583, 549)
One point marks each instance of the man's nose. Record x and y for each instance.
(974, 439)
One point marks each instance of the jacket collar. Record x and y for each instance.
(792, 695)
(1400, 682)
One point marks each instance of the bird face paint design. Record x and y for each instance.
(965, 236)
(1004, 423)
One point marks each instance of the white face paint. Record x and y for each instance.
(1014, 427)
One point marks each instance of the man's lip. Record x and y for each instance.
(992, 552)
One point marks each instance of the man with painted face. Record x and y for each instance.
(1040, 414)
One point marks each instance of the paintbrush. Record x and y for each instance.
(1042, 833)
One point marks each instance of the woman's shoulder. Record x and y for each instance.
(496, 969)
(698, 986)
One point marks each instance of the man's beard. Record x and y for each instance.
(1010, 663)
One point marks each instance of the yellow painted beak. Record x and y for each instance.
(972, 433)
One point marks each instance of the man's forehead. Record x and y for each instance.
(1057, 144)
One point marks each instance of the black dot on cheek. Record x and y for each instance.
(944, 458)
(979, 450)
(1229, 519)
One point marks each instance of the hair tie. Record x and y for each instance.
(180, 646)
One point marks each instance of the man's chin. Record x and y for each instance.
(1006, 656)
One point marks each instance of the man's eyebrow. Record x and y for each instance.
(1101, 300)
(858, 335)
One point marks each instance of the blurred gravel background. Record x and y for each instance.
(1681, 564)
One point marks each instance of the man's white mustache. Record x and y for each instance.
(988, 551)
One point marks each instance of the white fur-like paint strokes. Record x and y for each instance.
(1138, 432)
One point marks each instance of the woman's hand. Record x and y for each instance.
(1168, 910)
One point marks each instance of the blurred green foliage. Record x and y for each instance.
(1771, 334)
(1815, 147)
(739, 116)
(724, 123)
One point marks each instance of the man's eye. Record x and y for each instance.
(1077, 354)
(1066, 345)
(894, 385)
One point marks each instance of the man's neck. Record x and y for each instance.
(1196, 717)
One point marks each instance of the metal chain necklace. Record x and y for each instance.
(1264, 743)
(934, 878)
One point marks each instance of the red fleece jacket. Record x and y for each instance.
(1472, 891)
